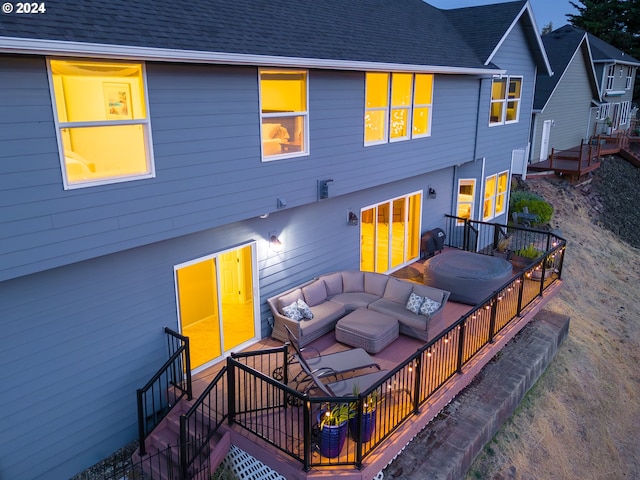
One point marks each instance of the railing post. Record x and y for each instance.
(307, 434)
(231, 390)
(183, 447)
(187, 362)
(492, 319)
(141, 435)
(463, 327)
(417, 383)
(359, 432)
(520, 292)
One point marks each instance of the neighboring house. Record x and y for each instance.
(177, 166)
(591, 92)
(563, 103)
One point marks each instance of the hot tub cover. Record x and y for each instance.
(470, 277)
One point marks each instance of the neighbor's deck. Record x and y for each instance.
(389, 358)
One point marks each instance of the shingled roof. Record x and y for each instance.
(408, 32)
(561, 46)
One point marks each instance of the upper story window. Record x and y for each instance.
(627, 85)
(495, 195)
(398, 107)
(611, 76)
(284, 113)
(506, 93)
(102, 121)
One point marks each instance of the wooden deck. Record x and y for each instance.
(389, 358)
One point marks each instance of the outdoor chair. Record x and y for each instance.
(332, 364)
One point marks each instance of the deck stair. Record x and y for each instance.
(162, 459)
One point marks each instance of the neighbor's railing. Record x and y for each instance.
(262, 402)
(166, 387)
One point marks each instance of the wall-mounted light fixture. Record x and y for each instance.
(431, 192)
(323, 188)
(281, 202)
(352, 218)
(274, 243)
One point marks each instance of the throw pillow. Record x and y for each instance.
(414, 303)
(429, 307)
(292, 311)
(304, 309)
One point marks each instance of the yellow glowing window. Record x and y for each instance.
(466, 198)
(284, 115)
(376, 111)
(506, 93)
(501, 198)
(390, 233)
(498, 92)
(513, 102)
(102, 121)
(490, 184)
(398, 106)
(423, 93)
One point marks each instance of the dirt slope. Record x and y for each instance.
(582, 419)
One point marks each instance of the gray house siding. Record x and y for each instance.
(497, 143)
(80, 339)
(205, 123)
(569, 108)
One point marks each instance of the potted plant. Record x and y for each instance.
(333, 429)
(368, 419)
(525, 256)
(609, 123)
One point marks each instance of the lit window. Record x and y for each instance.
(101, 121)
(284, 117)
(611, 73)
(501, 198)
(506, 93)
(376, 110)
(627, 85)
(398, 107)
(466, 198)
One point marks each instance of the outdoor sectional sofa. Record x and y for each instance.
(334, 295)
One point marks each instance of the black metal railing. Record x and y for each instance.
(261, 402)
(166, 387)
(200, 424)
(164, 464)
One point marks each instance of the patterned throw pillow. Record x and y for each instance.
(292, 311)
(304, 309)
(429, 307)
(414, 302)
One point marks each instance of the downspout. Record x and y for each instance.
(475, 150)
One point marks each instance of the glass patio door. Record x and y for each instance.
(216, 297)
(390, 233)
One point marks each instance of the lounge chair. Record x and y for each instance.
(332, 364)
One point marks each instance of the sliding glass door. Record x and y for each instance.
(390, 233)
(216, 297)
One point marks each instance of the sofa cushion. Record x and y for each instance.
(315, 293)
(429, 307)
(325, 316)
(355, 300)
(289, 298)
(397, 310)
(414, 303)
(375, 283)
(304, 309)
(352, 282)
(333, 282)
(292, 311)
(398, 291)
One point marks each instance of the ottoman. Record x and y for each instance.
(367, 329)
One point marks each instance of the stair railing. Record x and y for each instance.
(170, 383)
(202, 422)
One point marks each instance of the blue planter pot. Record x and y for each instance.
(368, 426)
(332, 439)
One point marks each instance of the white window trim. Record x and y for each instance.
(611, 75)
(505, 101)
(625, 108)
(145, 123)
(305, 115)
(493, 197)
(410, 108)
(604, 110)
(472, 203)
(629, 79)
(498, 193)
